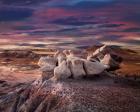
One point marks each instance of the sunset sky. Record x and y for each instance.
(42, 23)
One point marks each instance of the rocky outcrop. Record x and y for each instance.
(105, 55)
(70, 65)
(47, 61)
(62, 71)
(77, 68)
(94, 68)
(47, 65)
(60, 56)
(108, 60)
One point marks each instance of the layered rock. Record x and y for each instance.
(77, 68)
(71, 65)
(108, 60)
(67, 64)
(105, 56)
(94, 68)
(62, 71)
(50, 61)
(47, 65)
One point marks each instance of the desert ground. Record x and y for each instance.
(117, 92)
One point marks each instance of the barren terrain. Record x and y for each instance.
(94, 94)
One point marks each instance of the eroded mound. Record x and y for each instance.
(72, 96)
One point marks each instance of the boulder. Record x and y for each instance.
(47, 71)
(111, 60)
(62, 71)
(77, 68)
(47, 65)
(99, 52)
(94, 68)
(92, 58)
(76, 64)
(60, 56)
(47, 61)
(106, 56)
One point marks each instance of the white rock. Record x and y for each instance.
(56, 54)
(66, 52)
(91, 58)
(99, 52)
(76, 67)
(102, 48)
(47, 68)
(94, 68)
(60, 56)
(47, 65)
(106, 60)
(62, 71)
(46, 60)
(72, 56)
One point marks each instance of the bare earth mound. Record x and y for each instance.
(99, 94)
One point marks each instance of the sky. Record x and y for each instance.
(69, 23)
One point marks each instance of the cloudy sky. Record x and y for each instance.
(69, 22)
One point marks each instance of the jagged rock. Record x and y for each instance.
(76, 53)
(47, 65)
(66, 52)
(56, 54)
(77, 68)
(47, 61)
(104, 55)
(47, 75)
(75, 64)
(91, 58)
(60, 56)
(71, 65)
(108, 60)
(99, 53)
(62, 71)
(94, 68)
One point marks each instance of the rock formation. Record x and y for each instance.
(71, 65)
(60, 57)
(105, 56)
(50, 61)
(77, 68)
(45, 94)
(62, 71)
(47, 65)
(94, 68)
